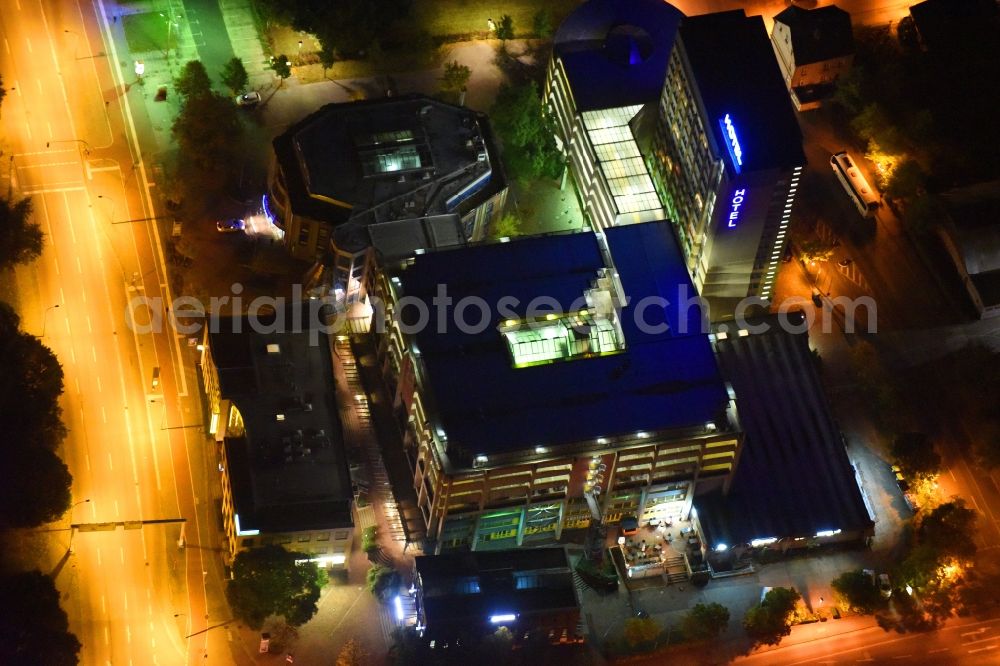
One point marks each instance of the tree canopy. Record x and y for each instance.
(193, 80)
(529, 146)
(34, 482)
(281, 68)
(21, 239)
(455, 77)
(505, 28)
(857, 591)
(949, 530)
(704, 622)
(207, 131)
(914, 453)
(769, 622)
(234, 75)
(267, 581)
(36, 630)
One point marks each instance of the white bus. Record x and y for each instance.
(861, 193)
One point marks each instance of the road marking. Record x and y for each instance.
(72, 354)
(128, 635)
(27, 126)
(79, 266)
(76, 380)
(90, 329)
(983, 649)
(48, 125)
(126, 601)
(938, 650)
(62, 296)
(104, 414)
(72, 234)
(93, 352)
(6, 45)
(87, 458)
(83, 292)
(111, 465)
(981, 640)
(107, 636)
(104, 608)
(26, 40)
(974, 633)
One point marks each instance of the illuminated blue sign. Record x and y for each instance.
(732, 142)
(734, 207)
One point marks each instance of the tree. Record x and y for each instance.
(529, 146)
(382, 581)
(815, 249)
(281, 68)
(949, 530)
(455, 77)
(769, 622)
(639, 630)
(234, 75)
(21, 239)
(327, 57)
(907, 180)
(541, 22)
(267, 581)
(351, 654)
(505, 28)
(207, 131)
(857, 591)
(507, 226)
(704, 622)
(914, 453)
(34, 487)
(36, 630)
(193, 81)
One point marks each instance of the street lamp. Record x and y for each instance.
(45, 321)
(86, 146)
(76, 41)
(76, 504)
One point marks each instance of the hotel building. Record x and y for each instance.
(530, 423)
(727, 156)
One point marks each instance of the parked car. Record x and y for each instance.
(230, 226)
(248, 100)
(884, 585)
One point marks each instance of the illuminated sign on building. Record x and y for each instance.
(734, 207)
(732, 143)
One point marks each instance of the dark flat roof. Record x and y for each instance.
(465, 589)
(615, 51)
(793, 477)
(290, 474)
(818, 34)
(733, 64)
(344, 159)
(662, 381)
(947, 24)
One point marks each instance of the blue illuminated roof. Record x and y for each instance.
(734, 67)
(661, 381)
(615, 52)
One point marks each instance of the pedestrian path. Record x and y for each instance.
(359, 435)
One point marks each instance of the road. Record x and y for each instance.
(70, 144)
(969, 643)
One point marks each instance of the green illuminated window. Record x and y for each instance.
(561, 338)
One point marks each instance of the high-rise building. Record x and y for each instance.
(567, 392)
(605, 76)
(727, 155)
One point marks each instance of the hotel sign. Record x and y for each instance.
(734, 207)
(732, 141)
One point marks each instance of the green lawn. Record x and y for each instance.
(148, 32)
(462, 17)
